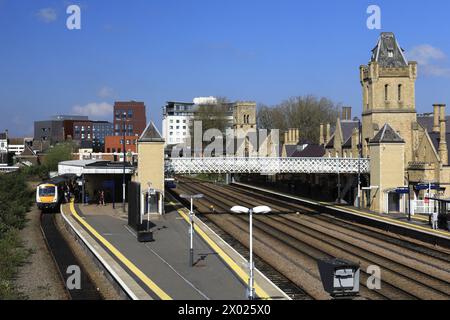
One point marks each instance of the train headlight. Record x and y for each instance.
(340, 278)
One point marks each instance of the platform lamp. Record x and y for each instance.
(191, 197)
(251, 266)
(359, 162)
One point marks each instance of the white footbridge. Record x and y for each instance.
(267, 166)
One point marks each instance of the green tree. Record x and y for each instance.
(15, 200)
(60, 152)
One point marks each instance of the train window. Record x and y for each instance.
(46, 191)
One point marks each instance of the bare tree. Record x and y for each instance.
(304, 112)
(213, 116)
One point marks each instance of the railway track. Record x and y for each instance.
(298, 236)
(64, 258)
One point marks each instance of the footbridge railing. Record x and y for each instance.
(266, 165)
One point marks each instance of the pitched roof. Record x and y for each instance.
(290, 150)
(151, 134)
(427, 121)
(436, 139)
(388, 52)
(347, 128)
(330, 143)
(311, 151)
(348, 143)
(387, 135)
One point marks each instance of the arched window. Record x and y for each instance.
(367, 97)
(386, 92)
(399, 92)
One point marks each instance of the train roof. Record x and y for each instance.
(59, 179)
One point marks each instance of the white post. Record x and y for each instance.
(191, 250)
(429, 201)
(250, 284)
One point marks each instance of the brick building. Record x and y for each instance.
(114, 144)
(129, 117)
(92, 134)
(57, 129)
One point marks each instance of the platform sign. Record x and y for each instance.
(404, 190)
(426, 186)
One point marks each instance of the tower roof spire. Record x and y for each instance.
(388, 52)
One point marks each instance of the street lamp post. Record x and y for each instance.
(124, 126)
(191, 222)
(358, 202)
(251, 265)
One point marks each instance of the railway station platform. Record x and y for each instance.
(160, 269)
(395, 222)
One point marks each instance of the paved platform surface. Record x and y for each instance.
(418, 222)
(163, 263)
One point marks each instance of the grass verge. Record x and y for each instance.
(16, 199)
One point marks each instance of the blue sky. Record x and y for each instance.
(159, 50)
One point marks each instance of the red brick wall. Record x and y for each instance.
(114, 143)
(138, 119)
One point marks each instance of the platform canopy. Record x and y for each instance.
(82, 167)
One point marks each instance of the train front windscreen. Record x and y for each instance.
(47, 191)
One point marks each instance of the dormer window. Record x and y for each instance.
(390, 53)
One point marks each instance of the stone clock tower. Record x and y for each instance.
(388, 86)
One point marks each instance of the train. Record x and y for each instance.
(170, 183)
(50, 193)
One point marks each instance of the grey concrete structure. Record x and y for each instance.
(165, 261)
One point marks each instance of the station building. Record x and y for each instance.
(407, 150)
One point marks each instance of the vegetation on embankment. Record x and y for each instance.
(15, 201)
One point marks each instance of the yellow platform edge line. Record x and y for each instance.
(230, 262)
(148, 282)
(409, 225)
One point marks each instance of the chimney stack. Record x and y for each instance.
(346, 113)
(321, 137)
(292, 136)
(436, 125)
(443, 151)
(328, 134)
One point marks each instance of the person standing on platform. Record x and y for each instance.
(102, 198)
(434, 220)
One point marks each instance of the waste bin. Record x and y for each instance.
(145, 236)
(340, 278)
